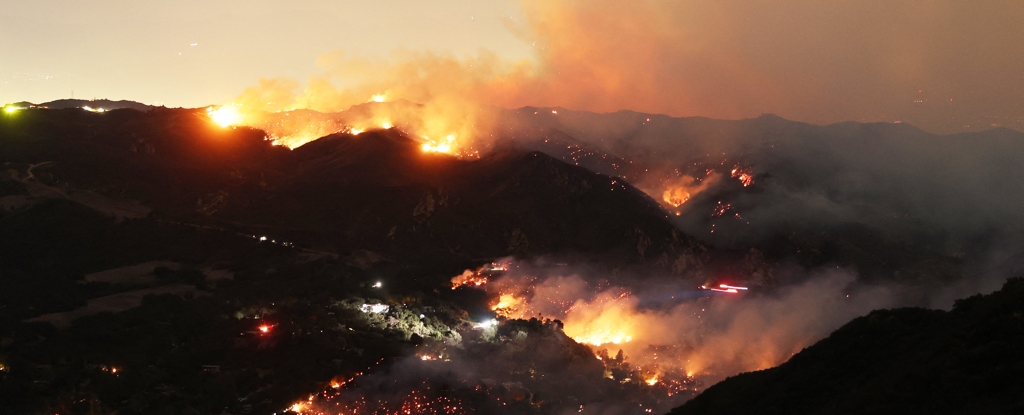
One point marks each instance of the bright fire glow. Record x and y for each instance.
(430, 146)
(378, 98)
(264, 329)
(602, 336)
(506, 305)
(651, 381)
(675, 196)
(679, 190)
(225, 115)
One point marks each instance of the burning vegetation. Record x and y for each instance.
(517, 366)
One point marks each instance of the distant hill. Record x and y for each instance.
(98, 103)
(968, 361)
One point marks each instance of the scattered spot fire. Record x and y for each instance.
(720, 209)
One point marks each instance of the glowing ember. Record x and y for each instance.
(264, 329)
(651, 381)
(745, 175)
(720, 209)
(225, 115)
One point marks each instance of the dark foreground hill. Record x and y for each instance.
(376, 191)
(969, 360)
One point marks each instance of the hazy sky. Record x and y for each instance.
(945, 65)
(142, 49)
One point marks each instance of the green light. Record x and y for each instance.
(10, 109)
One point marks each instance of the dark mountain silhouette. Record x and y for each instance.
(968, 361)
(106, 104)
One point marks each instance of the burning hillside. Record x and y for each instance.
(567, 341)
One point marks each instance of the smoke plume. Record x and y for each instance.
(944, 66)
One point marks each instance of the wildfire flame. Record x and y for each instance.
(507, 305)
(432, 146)
(602, 336)
(678, 191)
(675, 196)
(225, 115)
(468, 278)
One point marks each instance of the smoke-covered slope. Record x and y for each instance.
(969, 360)
(892, 200)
